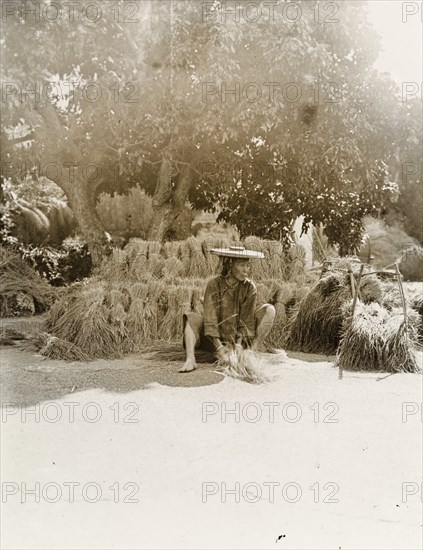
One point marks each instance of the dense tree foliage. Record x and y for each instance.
(146, 98)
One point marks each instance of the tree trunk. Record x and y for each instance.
(169, 201)
(79, 191)
(92, 230)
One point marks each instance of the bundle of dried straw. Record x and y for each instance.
(376, 339)
(243, 364)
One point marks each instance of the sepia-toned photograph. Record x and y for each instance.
(211, 274)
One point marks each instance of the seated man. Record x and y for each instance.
(231, 316)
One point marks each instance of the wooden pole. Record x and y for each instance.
(355, 289)
(352, 281)
(401, 289)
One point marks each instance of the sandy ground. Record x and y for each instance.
(160, 462)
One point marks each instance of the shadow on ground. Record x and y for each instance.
(28, 378)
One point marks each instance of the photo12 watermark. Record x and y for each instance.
(411, 411)
(269, 11)
(52, 492)
(88, 12)
(67, 172)
(69, 412)
(411, 491)
(277, 172)
(316, 91)
(411, 170)
(269, 412)
(68, 92)
(272, 492)
(411, 90)
(411, 10)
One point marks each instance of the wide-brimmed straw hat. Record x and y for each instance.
(238, 252)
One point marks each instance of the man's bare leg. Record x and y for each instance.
(264, 328)
(189, 339)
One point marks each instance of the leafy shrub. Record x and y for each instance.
(72, 262)
(22, 290)
(129, 214)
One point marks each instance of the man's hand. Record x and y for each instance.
(221, 351)
(220, 348)
(238, 348)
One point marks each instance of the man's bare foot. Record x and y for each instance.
(189, 366)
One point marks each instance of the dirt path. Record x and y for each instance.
(156, 465)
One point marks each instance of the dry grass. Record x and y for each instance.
(243, 365)
(276, 337)
(140, 294)
(192, 259)
(21, 284)
(178, 302)
(316, 323)
(84, 318)
(378, 340)
(57, 348)
(417, 305)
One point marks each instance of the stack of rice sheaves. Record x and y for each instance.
(140, 294)
(316, 324)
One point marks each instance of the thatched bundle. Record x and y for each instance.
(296, 270)
(243, 365)
(316, 323)
(138, 265)
(392, 297)
(172, 268)
(277, 258)
(191, 282)
(115, 267)
(170, 249)
(276, 337)
(284, 298)
(119, 298)
(22, 290)
(378, 340)
(275, 263)
(212, 261)
(197, 301)
(84, 318)
(57, 348)
(138, 323)
(270, 291)
(155, 265)
(142, 292)
(198, 266)
(179, 300)
(286, 294)
(192, 259)
(148, 308)
(265, 293)
(98, 323)
(137, 247)
(417, 305)
(106, 319)
(154, 247)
